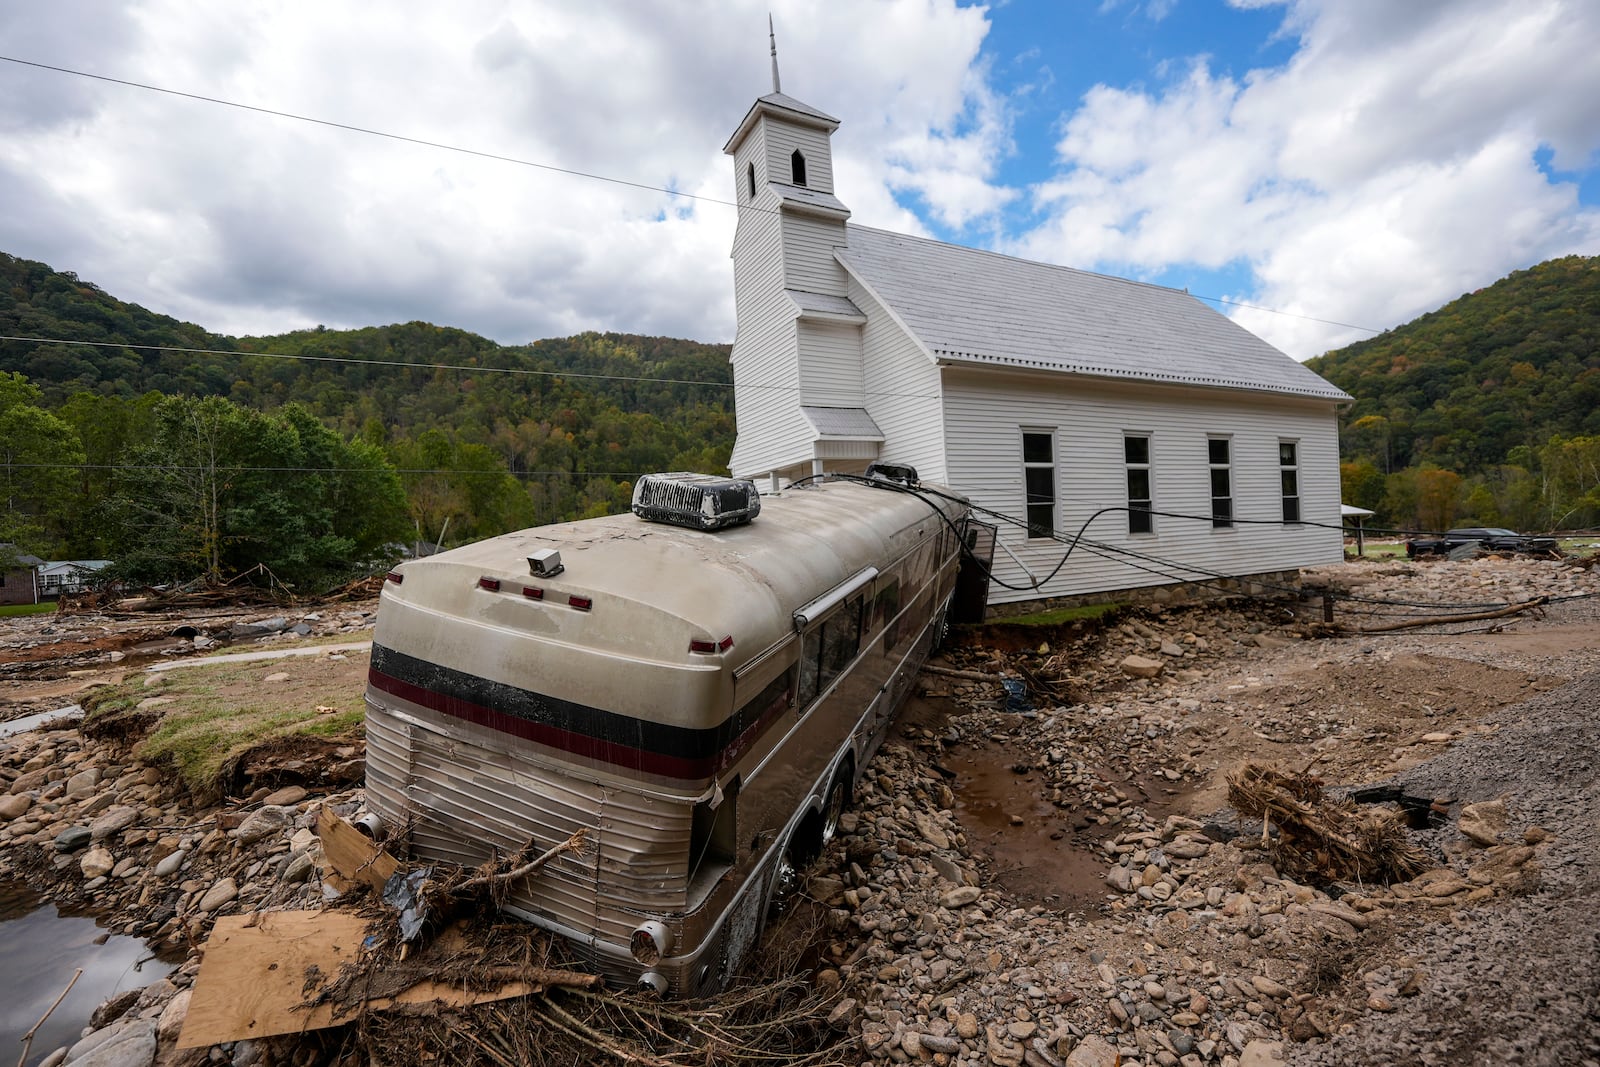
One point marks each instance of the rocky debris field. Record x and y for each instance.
(1044, 878)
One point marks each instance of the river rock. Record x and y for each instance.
(930, 831)
(83, 783)
(299, 868)
(72, 838)
(96, 863)
(31, 780)
(173, 1015)
(14, 805)
(1141, 667)
(264, 822)
(224, 892)
(1120, 878)
(288, 796)
(113, 822)
(1093, 1051)
(1484, 823)
(170, 863)
(960, 897)
(1262, 1054)
(130, 1043)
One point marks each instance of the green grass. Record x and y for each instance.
(203, 730)
(11, 610)
(1380, 549)
(1058, 617)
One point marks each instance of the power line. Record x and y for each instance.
(1288, 314)
(518, 161)
(358, 361)
(189, 468)
(497, 157)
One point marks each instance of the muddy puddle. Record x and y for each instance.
(43, 947)
(1038, 852)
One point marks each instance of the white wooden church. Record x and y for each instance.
(1039, 391)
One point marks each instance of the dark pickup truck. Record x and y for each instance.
(1490, 538)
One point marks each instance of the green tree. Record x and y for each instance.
(221, 488)
(40, 456)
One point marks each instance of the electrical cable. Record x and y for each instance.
(501, 158)
(524, 371)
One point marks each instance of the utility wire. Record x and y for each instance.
(358, 361)
(517, 161)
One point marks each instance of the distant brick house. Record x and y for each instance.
(19, 576)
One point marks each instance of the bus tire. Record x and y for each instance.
(837, 800)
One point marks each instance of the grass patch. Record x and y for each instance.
(1058, 617)
(13, 610)
(1380, 550)
(210, 716)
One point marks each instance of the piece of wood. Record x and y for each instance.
(255, 977)
(1434, 620)
(352, 854)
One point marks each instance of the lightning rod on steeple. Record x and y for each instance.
(773, 38)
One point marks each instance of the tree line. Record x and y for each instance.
(318, 452)
(1484, 412)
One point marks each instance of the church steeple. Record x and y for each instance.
(772, 37)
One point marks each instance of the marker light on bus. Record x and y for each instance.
(395, 576)
(532, 593)
(582, 603)
(491, 584)
(710, 648)
(650, 943)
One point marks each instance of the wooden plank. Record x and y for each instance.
(352, 853)
(256, 975)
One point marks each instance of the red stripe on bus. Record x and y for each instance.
(577, 744)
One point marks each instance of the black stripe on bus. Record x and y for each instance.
(639, 744)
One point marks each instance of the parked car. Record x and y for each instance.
(1491, 538)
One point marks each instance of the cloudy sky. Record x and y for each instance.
(1357, 162)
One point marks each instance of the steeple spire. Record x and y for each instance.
(773, 38)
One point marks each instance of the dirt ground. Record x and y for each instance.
(1460, 711)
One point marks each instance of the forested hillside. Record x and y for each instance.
(1486, 411)
(312, 450)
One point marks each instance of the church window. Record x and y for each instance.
(797, 164)
(750, 176)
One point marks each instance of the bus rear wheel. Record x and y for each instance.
(833, 808)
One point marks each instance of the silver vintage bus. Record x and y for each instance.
(697, 693)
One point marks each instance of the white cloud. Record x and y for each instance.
(251, 223)
(1367, 180)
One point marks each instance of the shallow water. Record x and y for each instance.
(58, 717)
(40, 948)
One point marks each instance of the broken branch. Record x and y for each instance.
(571, 844)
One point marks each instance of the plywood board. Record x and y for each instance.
(354, 855)
(256, 975)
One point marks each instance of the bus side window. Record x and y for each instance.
(841, 640)
(810, 655)
(886, 605)
(829, 648)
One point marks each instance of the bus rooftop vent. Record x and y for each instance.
(698, 501)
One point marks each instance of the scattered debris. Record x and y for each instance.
(1323, 840)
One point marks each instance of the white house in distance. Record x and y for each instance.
(1039, 391)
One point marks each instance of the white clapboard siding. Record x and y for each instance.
(809, 244)
(901, 384)
(783, 139)
(830, 364)
(986, 412)
(765, 373)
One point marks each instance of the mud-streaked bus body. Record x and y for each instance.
(700, 703)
